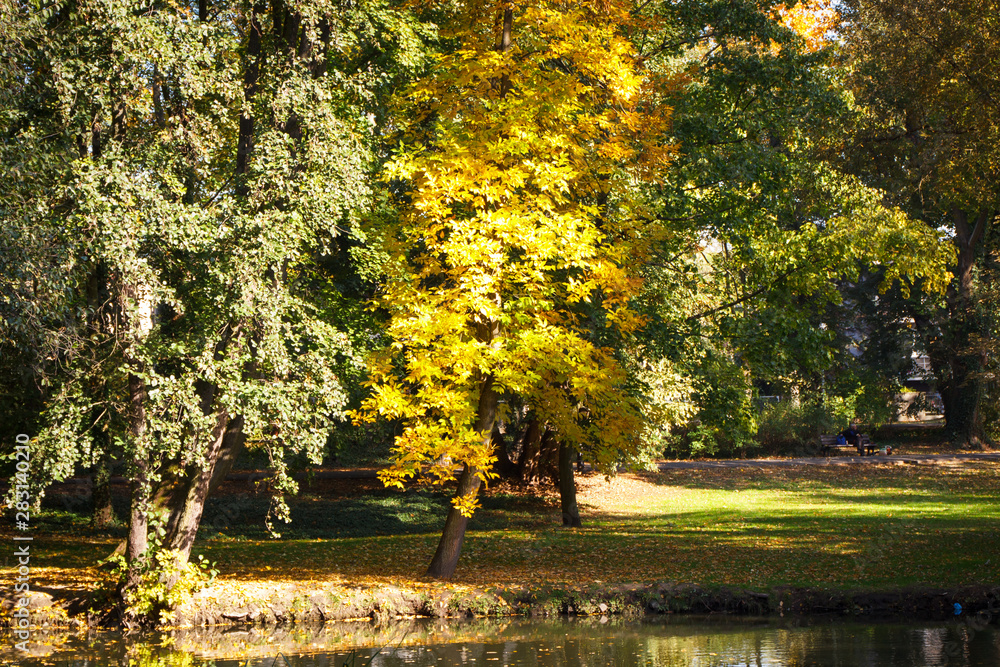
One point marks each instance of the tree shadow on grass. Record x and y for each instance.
(362, 508)
(378, 513)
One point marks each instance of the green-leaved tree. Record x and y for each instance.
(175, 181)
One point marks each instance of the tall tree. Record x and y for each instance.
(175, 181)
(764, 225)
(986, 344)
(924, 72)
(517, 158)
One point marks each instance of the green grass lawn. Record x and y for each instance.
(870, 526)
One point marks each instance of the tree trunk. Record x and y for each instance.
(233, 443)
(531, 444)
(567, 487)
(961, 390)
(251, 75)
(450, 547)
(956, 366)
(189, 500)
(504, 467)
(539, 460)
(104, 511)
(136, 326)
(138, 531)
(185, 499)
(963, 418)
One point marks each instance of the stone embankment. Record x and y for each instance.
(280, 603)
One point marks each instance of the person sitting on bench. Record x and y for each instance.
(852, 435)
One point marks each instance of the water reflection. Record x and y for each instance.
(582, 642)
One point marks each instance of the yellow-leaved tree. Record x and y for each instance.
(814, 20)
(519, 153)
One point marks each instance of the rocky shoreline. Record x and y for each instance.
(279, 603)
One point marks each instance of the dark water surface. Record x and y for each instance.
(582, 642)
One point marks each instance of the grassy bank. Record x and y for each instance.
(874, 526)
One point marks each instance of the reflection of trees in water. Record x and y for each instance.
(859, 645)
(580, 642)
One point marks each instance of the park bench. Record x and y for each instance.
(829, 442)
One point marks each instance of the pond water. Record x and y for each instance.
(581, 642)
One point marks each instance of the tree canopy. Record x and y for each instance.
(576, 226)
(173, 182)
(925, 76)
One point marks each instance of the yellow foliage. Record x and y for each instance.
(511, 158)
(814, 20)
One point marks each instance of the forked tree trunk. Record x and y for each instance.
(567, 487)
(183, 499)
(188, 501)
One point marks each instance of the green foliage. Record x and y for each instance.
(790, 428)
(167, 578)
(723, 395)
(180, 204)
(867, 392)
(698, 441)
(765, 227)
(186, 262)
(723, 421)
(669, 407)
(923, 74)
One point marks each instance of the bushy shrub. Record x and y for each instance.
(725, 420)
(694, 441)
(362, 444)
(669, 408)
(165, 583)
(787, 428)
